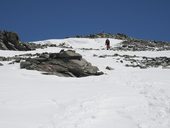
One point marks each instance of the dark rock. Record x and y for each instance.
(102, 56)
(52, 45)
(17, 60)
(94, 55)
(109, 68)
(5, 58)
(116, 54)
(25, 64)
(64, 45)
(44, 55)
(121, 61)
(65, 63)
(121, 36)
(10, 41)
(12, 62)
(69, 54)
(2, 46)
(2, 58)
(34, 46)
(1, 64)
(90, 49)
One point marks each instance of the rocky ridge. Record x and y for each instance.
(142, 45)
(131, 44)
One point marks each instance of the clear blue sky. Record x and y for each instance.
(45, 19)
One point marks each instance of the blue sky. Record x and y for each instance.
(46, 19)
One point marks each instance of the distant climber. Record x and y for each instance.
(107, 43)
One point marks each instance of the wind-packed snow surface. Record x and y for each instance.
(121, 98)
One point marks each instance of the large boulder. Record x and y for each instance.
(65, 63)
(10, 41)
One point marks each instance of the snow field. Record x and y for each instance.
(121, 98)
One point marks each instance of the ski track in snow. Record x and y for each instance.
(122, 98)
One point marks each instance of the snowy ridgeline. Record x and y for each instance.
(124, 97)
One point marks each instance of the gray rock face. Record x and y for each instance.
(66, 63)
(1, 64)
(10, 41)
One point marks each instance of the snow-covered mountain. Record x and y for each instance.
(124, 97)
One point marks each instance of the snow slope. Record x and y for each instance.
(82, 42)
(121, 98)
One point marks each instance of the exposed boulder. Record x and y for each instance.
(10, 41)
(1, 64)
(109, 68)
(65, 63)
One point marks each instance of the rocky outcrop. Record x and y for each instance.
(139, 61)
(141, 45)
(119, 36)
(97, 35)
(10, 41)
(148, 62)
(35, 46)
(66, 63)
(130, 43)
